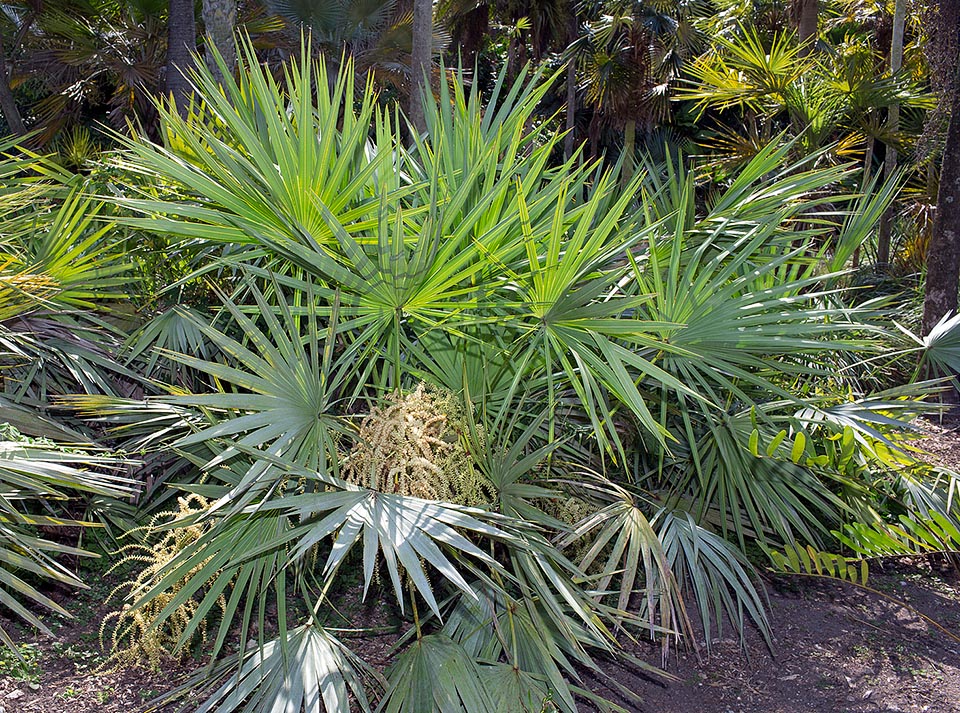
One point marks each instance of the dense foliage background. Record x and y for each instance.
(547, 324)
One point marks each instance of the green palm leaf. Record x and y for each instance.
(406, 530)
(635, 555)
(719, 577)
(285, 387)
(77, 254)
(515, 691)
(436, 675)
(264, 156)
(309, 669)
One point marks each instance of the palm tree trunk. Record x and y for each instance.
(569, 141)
(893, 126)
(7, 103)
(420, 61)
(943, 254)
(807, 18)
(593, 135)
(220, 24)
(181, 44)
(472, 31)
(512, 50)
(629, 151)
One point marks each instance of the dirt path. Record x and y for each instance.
(837, 650)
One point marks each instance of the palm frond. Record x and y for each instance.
(309, 669)
(436, 674)
(32, 473)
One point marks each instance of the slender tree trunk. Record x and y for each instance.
(629, 151)
(7, 103)
(893, 126)
(807, 18)
(569, 141)
(420, 61)
(181, 44)
(868, 158)
(943, 254)
(220, 24)
(593, 135)
(512, 53)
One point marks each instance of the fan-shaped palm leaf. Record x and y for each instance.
(76, 254)
(38, 473)
(408, 531)
(285, 387)
(309, 669)
(436, 675)
(264, 157)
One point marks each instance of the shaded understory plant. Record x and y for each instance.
(56, 480)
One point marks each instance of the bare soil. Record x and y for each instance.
(838, 648)
(941, 441)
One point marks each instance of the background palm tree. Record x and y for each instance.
(943, 261)
(220, 26)
(14, 25)
(893, 124)
(76, 58)
(181, 47)
(820, 99)
(629, 58)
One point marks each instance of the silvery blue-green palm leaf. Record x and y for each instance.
(435, 675)
(309, 670)
(409, 533)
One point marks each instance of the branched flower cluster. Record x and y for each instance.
(136, 637)
(414, 446)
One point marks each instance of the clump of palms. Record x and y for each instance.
(825, 100)
(682, 370)
(54, 261)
